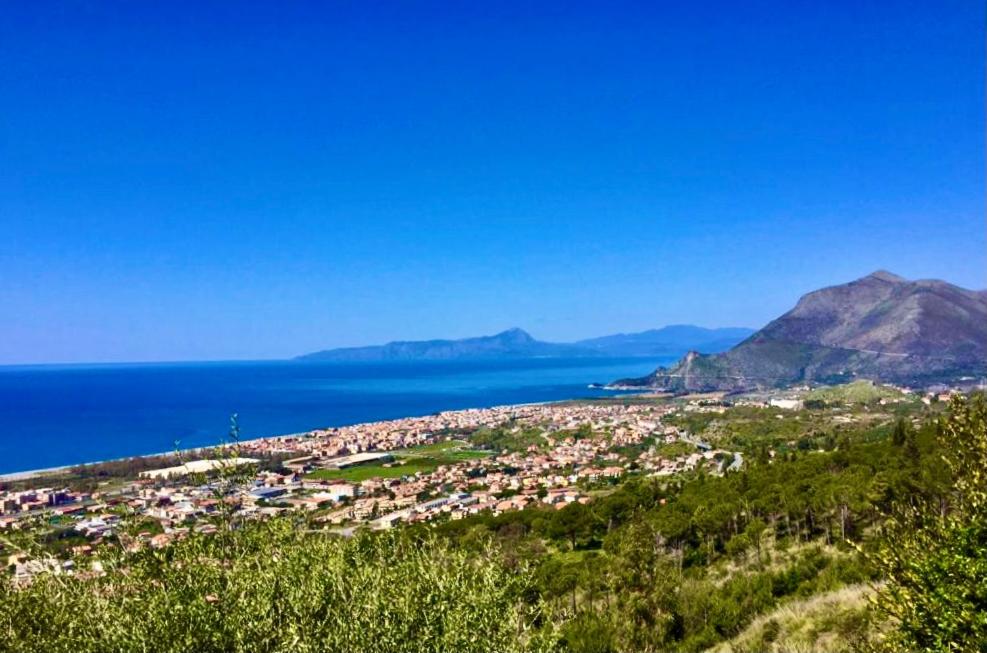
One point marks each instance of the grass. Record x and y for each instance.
(443, 446)
(365, 472)
(858, 392)
(832, 622)
(424, 459)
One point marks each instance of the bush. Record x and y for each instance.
(270, 587)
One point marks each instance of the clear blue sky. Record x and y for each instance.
(209, 180)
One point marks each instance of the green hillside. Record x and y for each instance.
(857, 392)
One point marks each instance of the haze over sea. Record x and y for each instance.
(62, 415)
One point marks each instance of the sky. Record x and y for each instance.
(210, 180)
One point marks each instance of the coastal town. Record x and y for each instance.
(375, 475)
(415, 470)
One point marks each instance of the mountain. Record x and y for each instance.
(516, 343)
(673, 340)
(881, 327)
(510, 344)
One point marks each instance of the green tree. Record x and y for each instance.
(934, 556)
(573, 523)
(900, 433)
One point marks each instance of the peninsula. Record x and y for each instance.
(515, 343)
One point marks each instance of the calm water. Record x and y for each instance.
(61, 415)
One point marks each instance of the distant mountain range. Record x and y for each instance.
(881, 327)
(518, 344)
(672, 340)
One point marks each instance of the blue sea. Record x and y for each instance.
(62, 415)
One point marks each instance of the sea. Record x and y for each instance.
(57, 415)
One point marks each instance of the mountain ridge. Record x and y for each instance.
(516, 343)
(511, 343)
(881, 326)
(668, 339)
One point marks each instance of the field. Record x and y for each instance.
(425, 458)
(858, 392)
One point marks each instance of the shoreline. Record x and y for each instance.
(56, 471)
(32, 459)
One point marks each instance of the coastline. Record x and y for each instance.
(190, 403)
(34, 473)
(56, 471)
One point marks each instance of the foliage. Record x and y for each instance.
(830, 622)
(508, 436)
(751, 429)
(672, 450)
(934, 553)
(271, 587)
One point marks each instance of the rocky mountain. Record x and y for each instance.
(510, 344)
(672, 340)
(881, 327)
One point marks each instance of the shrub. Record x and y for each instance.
(271, 587)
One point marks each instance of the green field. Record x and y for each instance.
(425, 458)
(858, 392)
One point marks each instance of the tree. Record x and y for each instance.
(574, 522)
(899, 435)
(647, 579)
(935, 560)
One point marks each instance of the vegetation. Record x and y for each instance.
(754, 429)
(857, 392)
(662, 567)
(869, 543)
(934, 550)
(271, 587)
(831, 622)
(508, 437)
(674, 449)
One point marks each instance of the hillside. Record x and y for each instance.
(881, 327)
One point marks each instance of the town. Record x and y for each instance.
(427, 469)
(374, 475)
